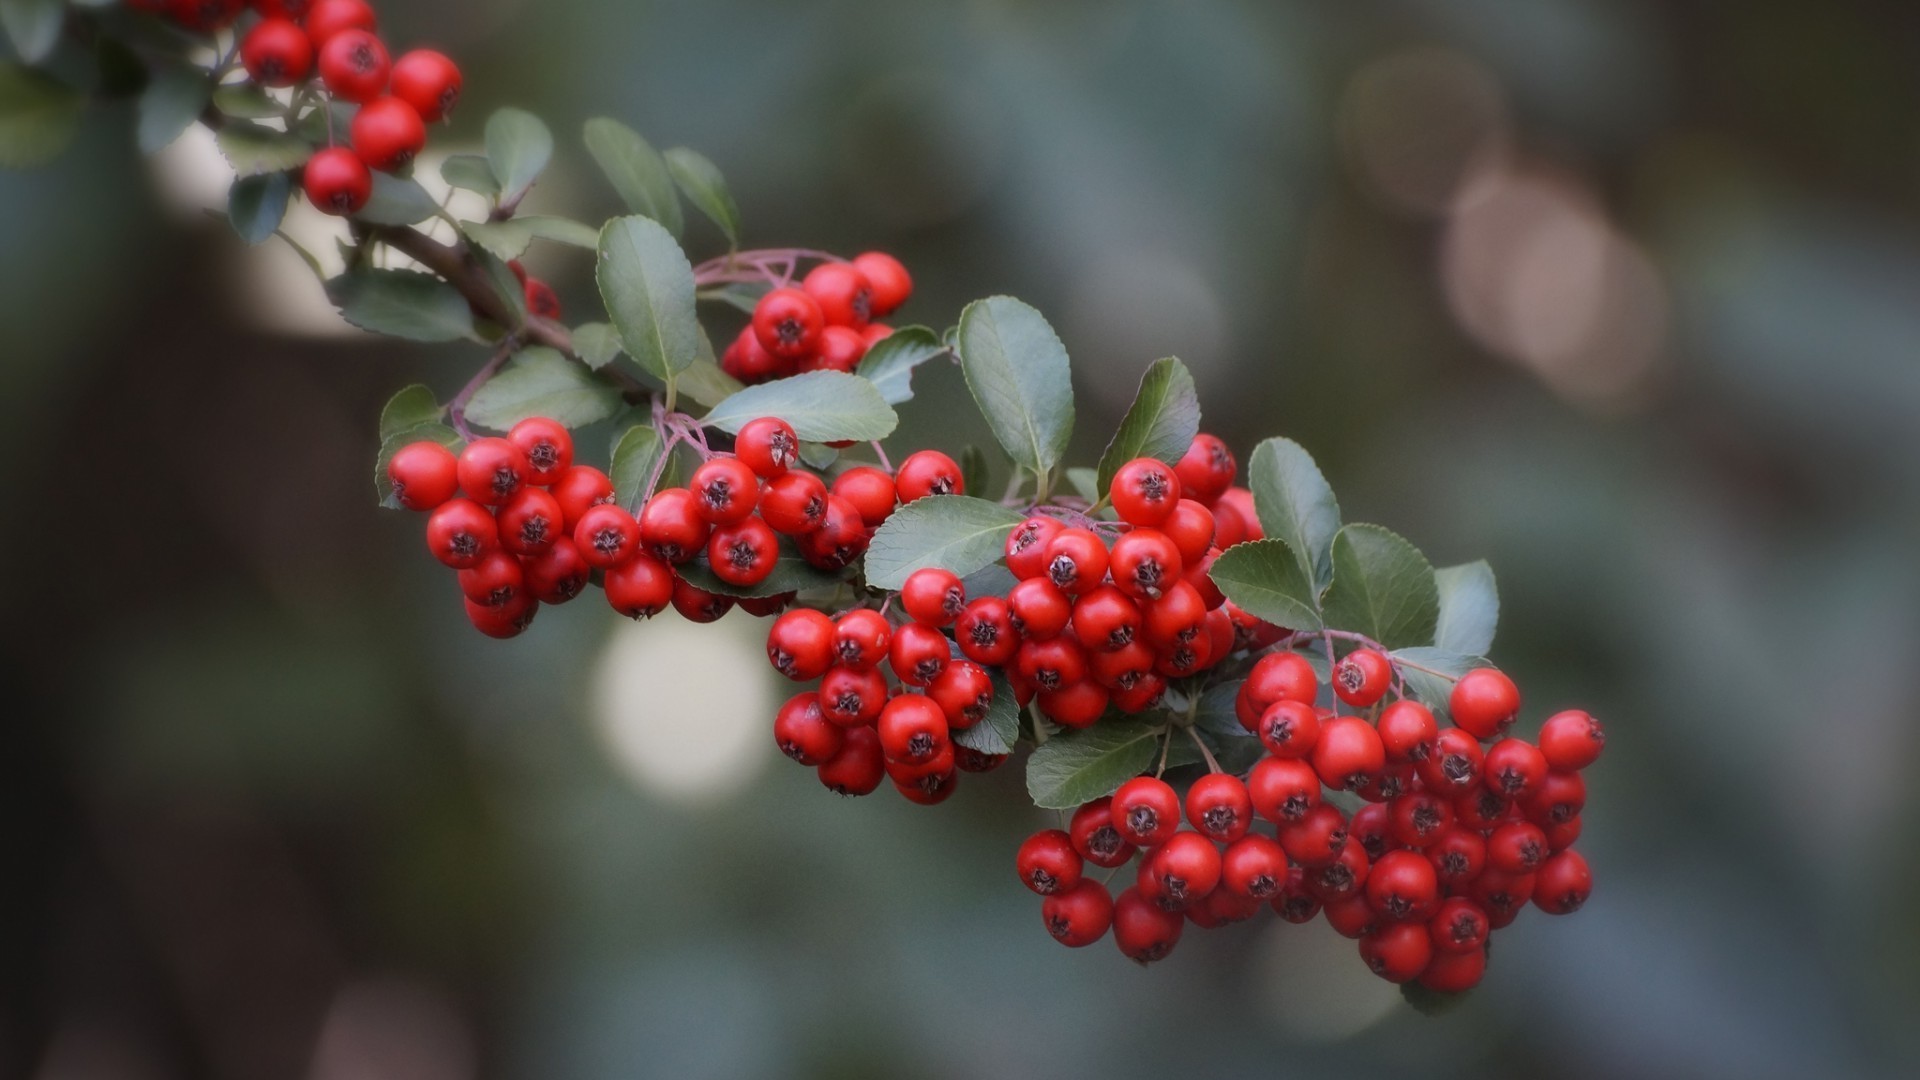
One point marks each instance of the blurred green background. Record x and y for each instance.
(1624, 296)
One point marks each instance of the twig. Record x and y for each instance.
(1212, 765)
(457, 408)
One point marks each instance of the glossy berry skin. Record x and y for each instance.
(423, 475)
(558, 574)
(1027, 544)
(1318, 838)
(1458, 856)
(1146, 811)
(843, 293)
(1571, 740)
(1563, 884)
(1344, 877)
(1184, 869)
(580, 488)
(1514, 768)
(1207, 469)
(841, 349)
(1077, 705)
(639, 588)
(1147, 692)
(800, 644)
(354, 66)
(495, 580)
(859, 766)
(1144, 492)
(928, 472)
(1144, 931)
(276, 52)
(1481, 809)
(1419, 819)
(841, 538)
(964, 691)
(1283, 789)
(912, 729)
(1455, 973)
(1079, 916)
(530, 522)
(1348, 754)
(747, 360)
(918, 654)
(697, 605)
(850, 698)
(1254, 866)
(1053, 664)
(1219, 808)
(869, 490)
(1559, 798)
(429, 81)
(1397, 952)
(387, 133)
(1501, 896)
(1282, 676)
(1517, 847)
(336, 181)
(1484, 703)
(984, 631)
(1190, 527)
(803, 733)
(933, 596)
(1076, 561)
(1095, 838)
(768, 446)
(744, 553)
(504, 620)
(1403, 886)
(1040, 609)
(1362, 677)
(1293, 903)
(794, 503)
(888, 282)
(548, 446)
(861, 638)
(1144, 564)
(607, 536)
(788, 323)
(1047, 863)
(671, 526)
(541, 300)
(491, 470)
(1289, 729)
(1407, 731)
(725, 490)
(325, 18)
(1104, 620)
(460, 531)
(1454, 766)
(1458, 927)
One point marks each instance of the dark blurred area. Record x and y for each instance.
(1623, 296)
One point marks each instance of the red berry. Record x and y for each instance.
(1481, 809)
(1145, 492)
(1040, 609)
(337, 181)
(530, 522)
(763, 607)
(1123, 668)
(387, 133)
(918, 654)
(460, 531)
(1517, 847)
(744, 553)
(749, 361)
(495, 580)
(964, 691)
(354, 66)
(794, 503)
(1144, 931)
(423, 475)
(1235, 518)
(1560, 797)
(1053, 664)
(1147, 692)
(1454, 973)
(803, 733)
(861, 638)
(1515, 768)
(1348, 754)
(912, 729)
(580, 488)
(1403, 886)
(503, 620)
(800, 644)
(541, 299)
(1344, 877)
(1145, 565)
(840, 349)
(1283, 676)
(1484, 702)
(1076, 705)
(845, 297)
(1562, 834)
(1190, 527)
(428, 81)
(933, 596)
(557, 575)
(768, 446)
(1352, 917)
(329, 17)
(1027, 546)
(869, 490)
(852, 698)
(607, 536)
(1254, 866)
(725, 490)
(859, 766)
(1501, 896)
(1454, 766)
(697, 605)
(277, 53)
(1283, 789)
(841, 538)
(1571, 740)
(1563, 884)
(1318, 838)
(1104, 620)
(984, 631)
(671, 526)
(1206, 469)
(548, 446)
(1458, 856)
(1146, 811)
(1397, 952)
(1407, 731)
(640, 587)
(788, 322)
(1047, 863)
(928, 472)
(1219, 807)
(1079, 916)
(1362, 677)
(1295, 904)
(491, 470)
(1094, 836)
(1185, 869)
(1459, 926)
(887, 280)
(1289, 729)
(1076, 560)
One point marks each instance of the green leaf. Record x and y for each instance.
(705, 384)
(506, 284)
(34, 26)
(1162, 422)
(975, 474)
(636, 170)
(1085, 482)
(397, 201)
(1018, 373)
(791, 573)
(1264, 578)
(700, 181)
(1296, 505)
(597, 344)
(509, 239)
(1382, 587)
(1236, 751)
(1430, 674)
(1077, 767)
(37, 117)
(1469, 608)
(391, 444)
(246, 101)
(313, 125)
(647, 286)
(818, 456)
(412, 407)
(257, 204)
(251, 148)
(889, 364)
(173, 100)
(953, 532)
(635, 454)
(470, 172)
(403, 304)
(1215, 712)
(518, 149)
(539, 381)
(822, 406)
(1000, 728)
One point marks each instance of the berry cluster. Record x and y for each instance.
(1448, 842)
(825, 324)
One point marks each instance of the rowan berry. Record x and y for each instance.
(1348, 754)
(1076, 560)
(1517, 847)
(548, 446)
(1283, 789)
(1079, 916)
(1501, 896)
(933, 596)
(888, 282)
(578, 489)
(1458, 856)
(1458, 927)
(1317, 838)
(1206, 469)
(984, 631)
(640, 587)
(557, 574)
(1177, 617)
(491, 470)
(912, 729)
(1402, 886)
(530, 522)
(744, 553)
(1571, 740)
(1052, 664)
(1185, 869)
(794, 503)
(1040, 609)
(276, 52)
(1144, 931)
(1027, 545)
(423, 475)
(387, 133)
(1420, 818)
(503, 620)
(697, 605)
(1484, 703)
(1145, 564)
(1372, 826)
(494, 580)
(354, 66)
(1047, 863)
(1563, 884)
(964, 691)
(1146, 811)
(1095, 837)
(1397, 952)
(841, 538)
(928, 472)
(843, 293)
(1454, 766)
(1254, 866)
(607, 536)
(1352, 917)
(851, 698)
(1289, 729)
(1560, 797)
(325, 18)
(671, 526)
(803, 733)
(460, 531)
(1281, 676)
(429, 81)
(768, 446)
(858, 767)
(861, 638)
(336, 181)
(1104, 619)
(1122, 668)
(1407, 731)
(725, 490)
(1190, 527)
(788, 323)
(1514, 768)
(840, 349)
(1454, 973)
(1295, 904)
(1362, 677)
(1345, 876)
(1147, 692)
(869, 490)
